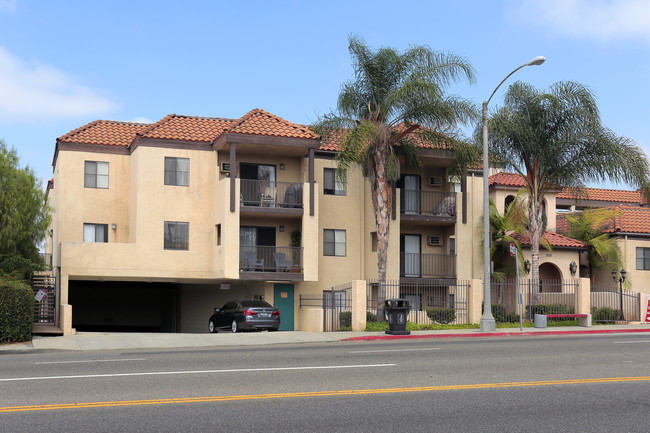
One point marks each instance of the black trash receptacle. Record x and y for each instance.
(397, 310)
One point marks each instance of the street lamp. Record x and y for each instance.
(620, 289)
(487, 321)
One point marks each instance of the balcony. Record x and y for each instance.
(270, 263)
(264, 196)
(432, 206)
(418, 265)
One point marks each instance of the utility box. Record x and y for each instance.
(539, 320)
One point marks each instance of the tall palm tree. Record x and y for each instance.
(556, 138)
(503, 230)
(589, 227)
(395, 103)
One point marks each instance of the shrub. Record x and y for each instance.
(501, 315)
(376, 326)
(370, 317)
(605, 314)
(441, 314)
(345, 320)
(16, 311)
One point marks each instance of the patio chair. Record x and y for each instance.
(253, 261)
(281, 262)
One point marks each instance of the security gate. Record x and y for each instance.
(44, 287)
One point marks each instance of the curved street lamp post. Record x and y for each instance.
(487, 320)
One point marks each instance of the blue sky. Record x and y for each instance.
(66, 63)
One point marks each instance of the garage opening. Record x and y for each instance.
(116, 306)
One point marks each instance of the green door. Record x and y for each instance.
(283, 299)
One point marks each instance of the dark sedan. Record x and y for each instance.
(244, 315)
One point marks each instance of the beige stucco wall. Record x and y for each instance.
(637, 280)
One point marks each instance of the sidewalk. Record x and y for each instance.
(86, 341)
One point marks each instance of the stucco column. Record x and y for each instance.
(359, 307)
(474, 301)
(583, 296)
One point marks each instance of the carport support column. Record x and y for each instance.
(358, 305)
(65, 309)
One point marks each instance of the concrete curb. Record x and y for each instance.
(495, 334)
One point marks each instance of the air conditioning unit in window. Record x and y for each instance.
(435, 180)
(225, 167)
(435, 241)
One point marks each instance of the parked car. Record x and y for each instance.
(245, 314)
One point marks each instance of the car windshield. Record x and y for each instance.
(255, 304)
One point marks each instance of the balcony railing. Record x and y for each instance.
(417, 265)
(415, 202)
(268, 193)
(270, 259)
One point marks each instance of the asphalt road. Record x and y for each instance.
(570, 384)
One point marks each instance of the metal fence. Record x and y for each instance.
(609, 304)
(270, 258)
(417, 202)
(545, 296)
(430, 300)
(44, 287)
(268, 193)
(337, 307)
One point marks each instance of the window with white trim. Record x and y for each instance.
(177, 235)
(177, 171)
(95, 232)
(96, 174)
(333, 242)
(331, 185)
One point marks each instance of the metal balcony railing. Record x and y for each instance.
(270, 259)
(415, 202)
(418, 265)
(268, 193)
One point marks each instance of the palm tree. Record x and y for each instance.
(556, 138)
(395, 103)
(503, 230)
(603, 251)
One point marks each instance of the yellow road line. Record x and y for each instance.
(318, 394)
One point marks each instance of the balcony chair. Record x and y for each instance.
(253, 262)
(281, 262)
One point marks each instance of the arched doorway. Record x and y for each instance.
(550, 278)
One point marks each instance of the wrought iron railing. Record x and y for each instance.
(266, 193)
(428, 203)
(270, 259)
(419, 265)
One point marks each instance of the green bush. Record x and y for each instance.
(376, 326)
(605, 314)
(441, 314)
(16, 310)
(370, 317)
(501, 315)
(345, 320)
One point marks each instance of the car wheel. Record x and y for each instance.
(211, 327)
(234, 327)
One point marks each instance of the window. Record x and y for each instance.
(334, 299)
(95, 232)
(177, 235)
(96, 174)
(333, 242)
(331, 185)
(177, 171)
(643, 259)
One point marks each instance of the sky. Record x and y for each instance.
(66, 63)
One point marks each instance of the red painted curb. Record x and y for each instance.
(494, 334)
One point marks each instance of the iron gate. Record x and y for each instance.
(609, 305)
(44, 287)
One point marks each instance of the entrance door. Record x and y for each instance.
(411, 194)
(409, 246)
(283, 299)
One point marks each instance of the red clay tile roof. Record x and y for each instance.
(599, 194)
(556, 240)
(507, 179)
(105, 133)
(259, 122)
(186, 128)
(561, 223)
(627, 219)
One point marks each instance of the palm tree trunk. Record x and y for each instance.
(380, 188)
(534, 227)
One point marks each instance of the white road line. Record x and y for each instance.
(631, 342)
(161, 373)
(393, 350)
(89, 360)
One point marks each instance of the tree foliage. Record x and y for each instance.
(589, 227)
(395, 103)
(555, 139)
(24, 214)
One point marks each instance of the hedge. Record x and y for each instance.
(441, 314)
(16, 311)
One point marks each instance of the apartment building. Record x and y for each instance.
(155, 225)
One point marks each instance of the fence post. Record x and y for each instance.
(583, 296)
(474, 301)
(358, 294)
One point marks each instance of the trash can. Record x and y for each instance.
(397, 310)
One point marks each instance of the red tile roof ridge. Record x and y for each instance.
(555, 239)
(78, 130)
(259, 112)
